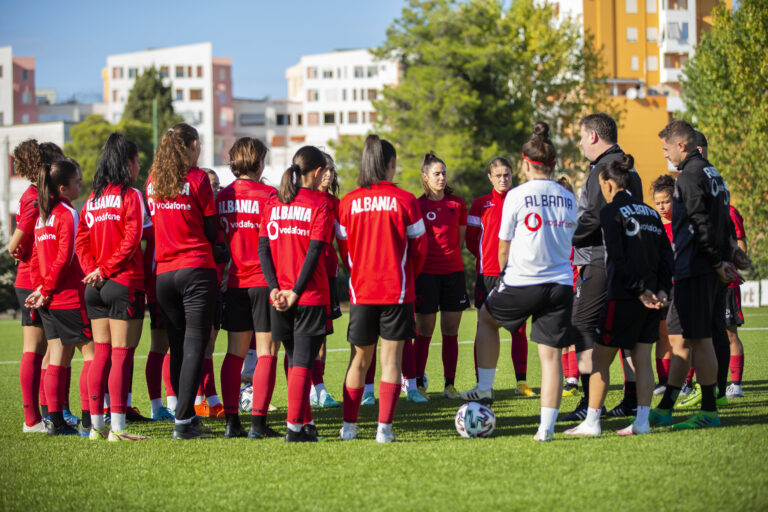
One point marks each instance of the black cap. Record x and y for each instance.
(701, 140)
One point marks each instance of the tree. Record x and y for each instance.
(7, 276)
(149, 86)
(476, 76)
(725, 88)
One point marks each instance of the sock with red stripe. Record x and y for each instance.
(153, 373)
(97, 376)
(85, 401)
(737, 368)
(450, 358)
(370, 376)
(421, 354)
(318, 372)
(573, 365)
(351, 406)
(389, 393)
(409, 364)
(520, 354)
(299, 380)
(230, 382)
(29, 377)
(662, 370)
(264, 377)
(119, 375)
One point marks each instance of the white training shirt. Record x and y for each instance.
(538, 219)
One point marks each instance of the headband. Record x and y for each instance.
(551, 162)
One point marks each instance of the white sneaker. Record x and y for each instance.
(635, 429)
(734, 391)
(38, 428)
(349, 431)
(544, 436)
(659, 390)
(484, 396)
(585, 429)
(384, 434)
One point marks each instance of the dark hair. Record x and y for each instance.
(306, 159)
(618, 171)
(429, 160)
(114, 164)
(329, 163)
(603, 125)
(29, 156)
(664, 183)
(564, 182)
(51, 177)
(499, 161)
(539, 150)
(701, 140)
(171, 165)
(246, 155)
(377, 157)
(680, 130)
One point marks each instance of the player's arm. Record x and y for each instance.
(474, 228)
(588, 214)
(131, 241)
(503, 253)
(417, 237)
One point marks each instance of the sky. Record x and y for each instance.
(70, 41)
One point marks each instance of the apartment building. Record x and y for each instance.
(17, 88)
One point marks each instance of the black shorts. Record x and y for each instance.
(694, 304)
(335, 305)
(247, 309)
(446, 292)
(155, 316)
(300, 320)
(549, 304)
(114, 300)
(218, 309)
(29, 317)
(69, 325)
(483, 285)
(623, 323)
(733, 314)
(588, 301)
(390, 321)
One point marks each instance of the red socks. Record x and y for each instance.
(299, 381)
(230, 382)
(209, 379)
(352, 399)
(370, 376)
(41, 389)
(65, 388)
(691, 373)
(564, 361)
(737, 368)
(450, 356)
(85, 402)
(55, 378)
(119, 376)
(153, 373)
(263, 384)
(573, 365)
(662, 368)
(520, 353)
(389, 393)
(29, 377)
(409, 364)
(97, 376)
(318, 372)
(421, 353)
(167, 375)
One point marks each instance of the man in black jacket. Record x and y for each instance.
(701, 235)
(598, 143)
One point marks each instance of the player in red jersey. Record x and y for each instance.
(108, 247)
(297, 225)
(58, 288)
(483, 242)
(440, 285)
(383, 242)
(246, 300)
(184, 215)
(734, 317)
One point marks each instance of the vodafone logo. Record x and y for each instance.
(431, 215)
(89, 219)
(151, 204)
(533, 221)
(633, 227)
(224, 224)
(272, 230)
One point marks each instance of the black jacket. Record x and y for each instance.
(701, 221)
(588, 239)
(638, 256)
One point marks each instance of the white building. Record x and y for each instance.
(71, 112)
(6, 85)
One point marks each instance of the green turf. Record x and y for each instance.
(429, 468)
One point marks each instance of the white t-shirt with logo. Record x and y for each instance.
(538, 219)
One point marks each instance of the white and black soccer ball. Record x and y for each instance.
(475, 420)
(404, 384)
(246, 398)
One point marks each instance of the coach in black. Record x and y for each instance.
(598, 143)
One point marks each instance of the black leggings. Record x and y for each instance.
(187, 298)
(302, 350)
(720, 339)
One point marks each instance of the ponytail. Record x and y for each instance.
(539, 150)
(114, 164)
(171, 165)
(29, 157)
(429, 160)
(306, 159)
(618, 171)
(377, 157)
(51, 177)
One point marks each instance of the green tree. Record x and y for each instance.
(7, 276)
(149, 86)
(725, 88)
(475, 77)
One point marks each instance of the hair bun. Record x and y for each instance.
(541, 129)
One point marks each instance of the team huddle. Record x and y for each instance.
(597, 276)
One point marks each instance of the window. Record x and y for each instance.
(2, 119)
(189, 71)
(683, 59)
(341, 117)
(343, 95)
(199, 71)
(673, 31)
(25, 98)
(179, 94)
(1, 74)
(253, 119)
(222, 74)
(372, 71)
(312, 95)
(278, 141)
(354, 94)
(299, 119)
(631, 6)
(372, 117)
(311, 72)
(116, 73)
(222, 97)
(179, 72)
(371, 94)
(652, 34)
(329, 118)
(684, 32)
(635, 63)
(132, 72)
(25, 75)
(652, 63)
(677, 5)
(359, 72)
(25, 118)
(632, 34)
(223, 120)
(164, 72)
(196, 94)
(114, 95)
(352, 117)
(313, 119)
(282, 119)
(650, 6)
(327, 73)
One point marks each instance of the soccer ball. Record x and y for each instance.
(404, 384)
(246, 398)
(475, 420)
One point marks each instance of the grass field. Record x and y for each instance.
(429, 468)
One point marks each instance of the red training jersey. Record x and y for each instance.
(25, 221)
(442, 221)
(54, 265)
(383, 241)
(109, 236)
(290, 228)
(330, 256)
(668, 229)
(738, 224)
(240, 207)
(180, 240)
(483, 225)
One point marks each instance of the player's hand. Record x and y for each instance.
(291, 298)
(663, 298)
(277, 300)
(740, 259)
(93, 278)
(726, 272)
(650, 300)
